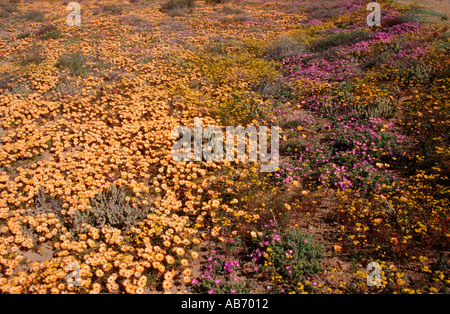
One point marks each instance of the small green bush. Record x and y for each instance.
(383, 52)
(214, 2)
(20, 90)
(7, 9)
(23, 35)
(229, 10)
(342, 38)
(242, 17)
(283, 47)
(45, 204)
(382, 107)
(111, 209)
(35, 16)
(325, 12)
(108, 9)
(220, 276)
(135, 20)
(176, 6)
(278, 89)
(112, 9)
(31, 55)
(288, 257)
(48, 31)
(68, 88)
(177, 12)
(417, 71)
(75, 62)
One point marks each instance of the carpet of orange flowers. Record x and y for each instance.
(90, 198)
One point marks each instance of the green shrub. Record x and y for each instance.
(48, 31)
(177, 12)
(75, 62)
(177, 6)
(112, 9)
(239, 15)
(135, 20)
(287, 257)
(342, 38)
(20, 90)
(242, 17)
(35, 16)
(229, 10)
(23, 35)
(278, 89)
(31, 55)
(383, 52)
(214, 2)
(111, 208)
(7, 9)
(382, 107)
(45, 204)
(68, 87)
(108, 9)
(219, 276)
(416, 71)
(283, 47)
(216, 48)
(325, 12)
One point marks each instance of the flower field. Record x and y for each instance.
(91, 200)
